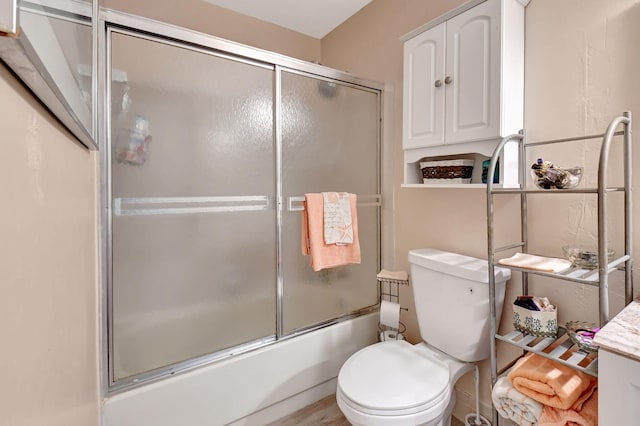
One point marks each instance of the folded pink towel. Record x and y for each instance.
(323, 255)
(552, 383)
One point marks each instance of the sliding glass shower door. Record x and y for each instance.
(192, 184)
(329, 134)
(210, 154)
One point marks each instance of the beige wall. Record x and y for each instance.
(48, 308)
(581, 71)
(201, 16)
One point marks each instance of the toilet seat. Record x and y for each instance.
(392, 378)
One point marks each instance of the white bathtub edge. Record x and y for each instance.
(256, 386)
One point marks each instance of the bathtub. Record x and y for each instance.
(148, 340)
(254, 388)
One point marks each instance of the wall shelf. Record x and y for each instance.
(560, 349)
(451, 185)
(513, 190)
(575, 274)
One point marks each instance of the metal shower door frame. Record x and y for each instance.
(110, 21)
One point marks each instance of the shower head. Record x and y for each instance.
(327, 89)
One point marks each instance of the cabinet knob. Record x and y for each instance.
(448, 80)
(438, 83)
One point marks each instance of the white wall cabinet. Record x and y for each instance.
(463, 82)
(423, 92)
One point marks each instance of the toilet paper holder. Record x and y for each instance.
(387, 333)
(389, 289)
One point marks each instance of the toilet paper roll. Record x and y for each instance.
(389, 314)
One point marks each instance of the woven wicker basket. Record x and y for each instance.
(447, 171)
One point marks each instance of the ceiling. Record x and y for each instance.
(315, 18)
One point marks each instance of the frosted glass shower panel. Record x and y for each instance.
(330, 142)
(197, 124)
(192, 188)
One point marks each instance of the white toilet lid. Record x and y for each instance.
(393, 376)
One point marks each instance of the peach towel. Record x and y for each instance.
(552, 383)
(323, 255)
(587, 416)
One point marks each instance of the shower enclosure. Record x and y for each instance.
(211, 148)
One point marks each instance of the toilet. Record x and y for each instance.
(395, 383)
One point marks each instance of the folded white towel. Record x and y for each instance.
(536, 263)
(514, 405)
(338, 227)
(393, 275)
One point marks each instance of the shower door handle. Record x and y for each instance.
(190, 205)
(296, 203)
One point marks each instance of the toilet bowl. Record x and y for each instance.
(394, 383)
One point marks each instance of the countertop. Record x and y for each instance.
(622, 333)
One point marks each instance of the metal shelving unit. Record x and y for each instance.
(561, 348)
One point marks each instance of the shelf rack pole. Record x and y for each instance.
(522, 159)
(490, 260)
(603, 238)
(628, 217)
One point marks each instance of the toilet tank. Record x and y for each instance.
(451, 295)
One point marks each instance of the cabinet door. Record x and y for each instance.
(473, 74)
(423, 96)
(618, 389)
